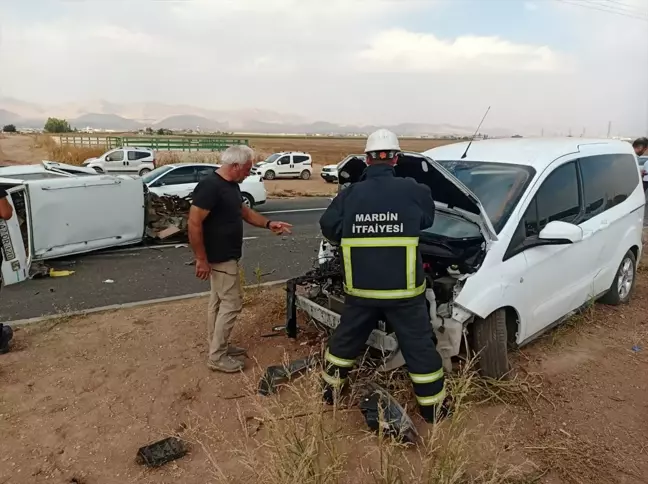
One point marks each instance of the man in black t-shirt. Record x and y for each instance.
(216, 238)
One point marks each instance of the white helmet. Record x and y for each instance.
(382, 140)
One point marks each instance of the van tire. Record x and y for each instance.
(612, 296)
(269, 175)
(490, 343)
(248, 201)
(304, 175)
(144, 171)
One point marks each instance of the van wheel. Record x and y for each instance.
(269, 175)
(305, 175)
(489, 342)
(144, 171)
(98, 170)
(248, 201)
(623, 283)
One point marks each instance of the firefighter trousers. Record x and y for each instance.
(411, 323)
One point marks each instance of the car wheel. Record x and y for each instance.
(305, 175)
(144, 171)
(623, 283)
(248, 201)
(269, 175)
(489, 342)
(97, 169)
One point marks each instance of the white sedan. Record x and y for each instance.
(181, 178)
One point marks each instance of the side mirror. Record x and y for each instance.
(557, 232)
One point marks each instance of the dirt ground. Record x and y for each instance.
(16, 149)
(80, 396)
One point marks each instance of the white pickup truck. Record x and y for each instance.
(62, 210)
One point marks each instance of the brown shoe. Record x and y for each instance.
(226, 364)
(235, 351)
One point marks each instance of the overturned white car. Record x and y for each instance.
(525, 233)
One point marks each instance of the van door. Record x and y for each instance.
(15, 243)
(114, 162)
(81, 214)
(284, 166)
(557, 278)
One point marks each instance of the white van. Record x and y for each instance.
(295, 164)
(58, 215)
(526, 232)
(128, 161)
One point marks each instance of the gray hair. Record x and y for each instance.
(237, 155)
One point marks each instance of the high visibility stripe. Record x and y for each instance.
(341, 362)
(410, 257)
(426, 377)
(409, 243)
(380, 242)
(433, 400)
(385, 293)
(348, 269)
(332, 380)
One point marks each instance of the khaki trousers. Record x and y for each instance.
(225, 304)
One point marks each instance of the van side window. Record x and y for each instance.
(137, 155)
(115, 156)
(608, 180)
(284, 160)
(299, 158)
(557, 199)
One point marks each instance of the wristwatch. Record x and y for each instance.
(268, 224)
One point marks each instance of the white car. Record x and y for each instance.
(526, 232)
(295, 164)
(329, 173)
(127, 161)
(181, 179)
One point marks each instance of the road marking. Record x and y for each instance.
(296, 210)
(114, 307)
(180, 245)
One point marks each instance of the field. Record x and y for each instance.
(20, 149)
(81, 395)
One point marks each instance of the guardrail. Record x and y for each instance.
(155, 143)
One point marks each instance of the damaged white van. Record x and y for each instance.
(61, 210)
(526, 232)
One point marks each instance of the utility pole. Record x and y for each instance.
(542, 133)
(609, 128)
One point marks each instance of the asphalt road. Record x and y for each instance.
(143, 273)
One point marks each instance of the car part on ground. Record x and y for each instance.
(161, 452)
(165, 212)
(279, 374)
(384, 415)
(6, 335)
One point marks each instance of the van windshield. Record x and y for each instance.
(271, 158)
(498, 186)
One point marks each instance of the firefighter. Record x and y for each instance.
(377, 222)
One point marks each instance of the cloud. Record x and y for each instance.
(355, 61)
(530, 6)
(400, 50)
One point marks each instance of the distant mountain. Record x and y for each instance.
(191, 122)
(7, 117)
(100, 114)
(105, 121)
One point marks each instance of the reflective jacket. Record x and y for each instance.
(377, 222)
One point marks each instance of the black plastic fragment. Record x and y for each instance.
(277, 374)
(380, 409)
(161, 452)
(6, 335)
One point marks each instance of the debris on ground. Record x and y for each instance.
(109, 281)
(55, 273)
(39, 270)
(6, 335)
(277, 374)
(161, 452)
(167, 216)
(383, 413)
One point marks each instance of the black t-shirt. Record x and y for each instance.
(223, 227)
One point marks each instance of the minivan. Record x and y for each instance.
(526, 232)
(295, 164)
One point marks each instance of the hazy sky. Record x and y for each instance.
(556, 64)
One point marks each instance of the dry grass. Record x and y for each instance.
(72, 155)
(294, 438)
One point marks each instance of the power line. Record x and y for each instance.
(625, 6)
(601, 8)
